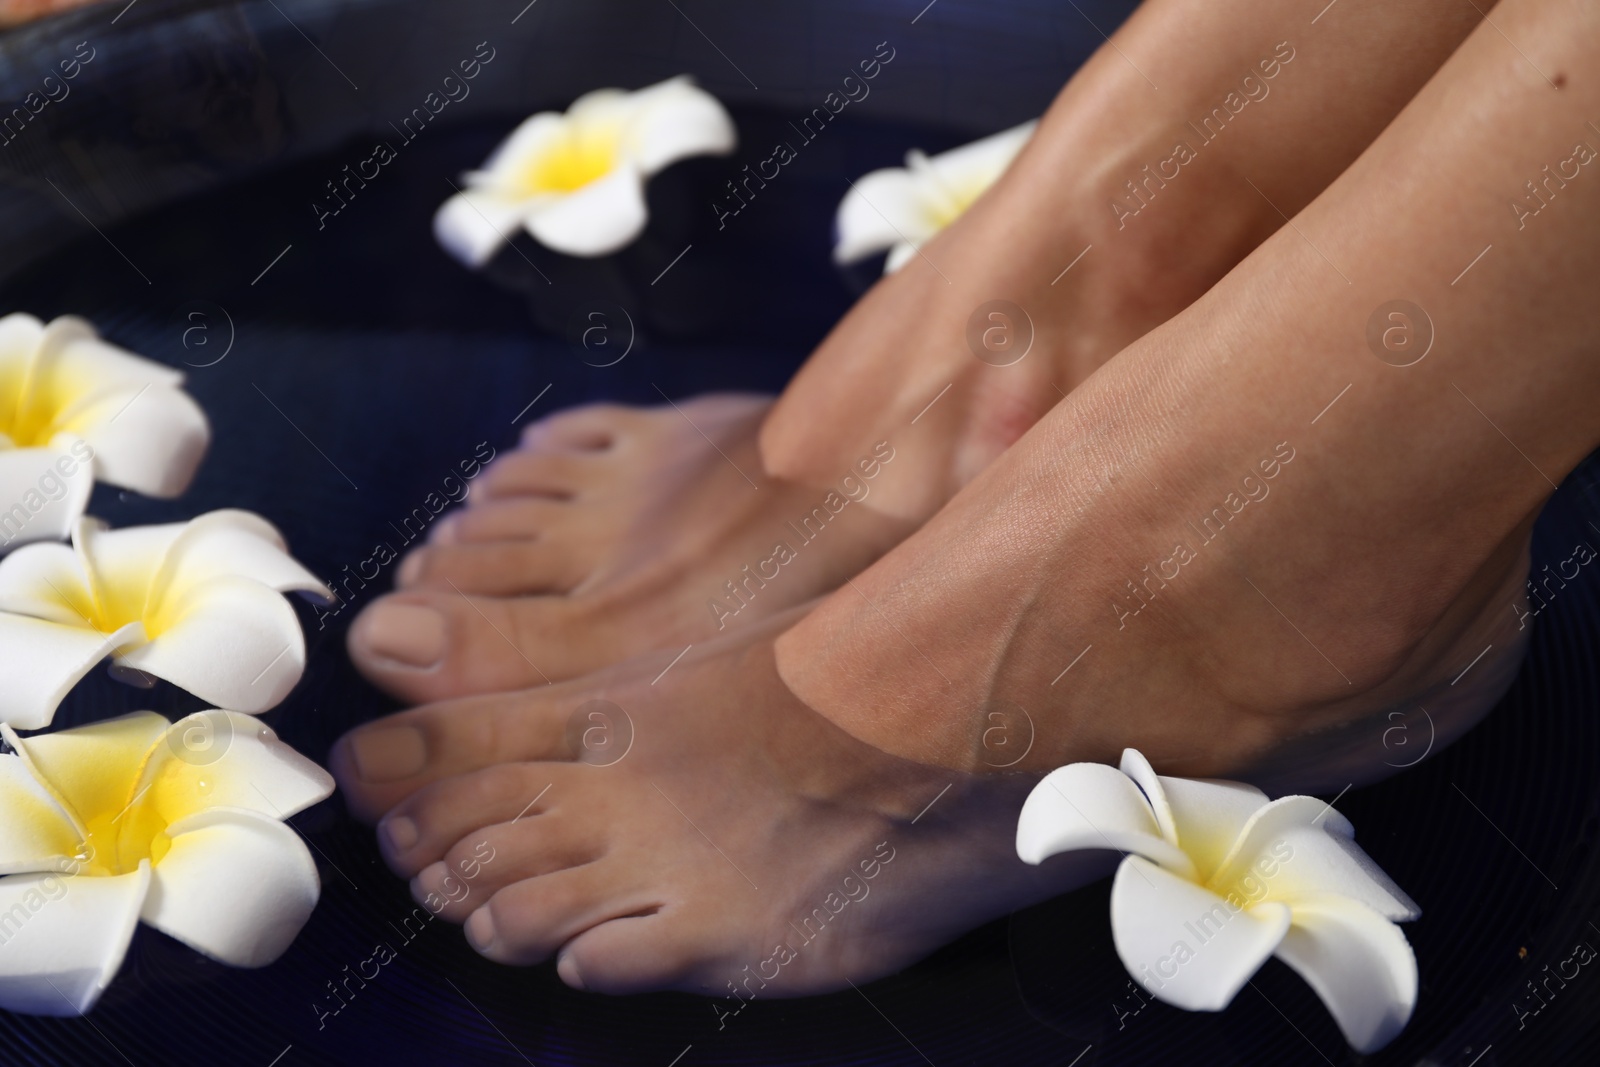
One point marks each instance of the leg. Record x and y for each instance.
(1225, 627)
(613, 532)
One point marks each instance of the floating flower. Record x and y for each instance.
(1217, 878)
(575, 181)
(197, 603)
(134, 818)
(903, 208)
(73, 410)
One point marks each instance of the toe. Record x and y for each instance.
(515, 519)
(530, 472)
(528, 921)
(425, 645)
(381, 763)
(635, 953)
(590, 428)
(493, 857)
(424, 826)
(496, 568)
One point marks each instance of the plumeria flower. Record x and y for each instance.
(73, 410)
(133, 818)
(575, 181)
(1217, 878)
(197, 603)
(902, 208)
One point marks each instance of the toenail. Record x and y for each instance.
(388, 753)
(400, 832)
(444, 531)
(410, 568)
(567, 971)
(406, 634)
(480, 929)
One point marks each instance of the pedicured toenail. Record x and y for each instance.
(405, 634)
(444, 531)
(480, 929)
(399, 832)
(567, 971)
(410, 569)
(388, 753)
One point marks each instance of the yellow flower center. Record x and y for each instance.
(117, 841)
(30, 409)
(120, 835)
(580, 156)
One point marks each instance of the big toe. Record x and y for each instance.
(423, 646)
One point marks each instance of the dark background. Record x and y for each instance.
(364, 364)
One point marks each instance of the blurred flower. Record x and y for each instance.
(73, 410)
(178, 824)
(197, 603)
(1218, 878)
(903, 208)
(575, 181)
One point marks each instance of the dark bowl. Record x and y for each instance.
(349, 366)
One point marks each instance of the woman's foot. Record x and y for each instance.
(700, 830)
(610, 532)
(1296, 515)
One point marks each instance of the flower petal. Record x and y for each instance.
(1302, 848)
(20, 335)
(44, 504)
(233, 543)
(64, 938)
(146, 437)
(472, 225)
(1186, 945)
(121, 564)
(35, 833)
(46, 581)
(1135, 766)
(901, 254)
(1359, 963)
(1091, 806)
(971, 168)
(677, 119)
(71, 353)
(226, 759)
(94, 768)
(44, 660)
(233, 885)
(533, 137)
(882, 209)
(230, 641)
(1210, 816)
(596, 220)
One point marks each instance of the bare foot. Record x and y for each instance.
(611, 532)
(1295, 510)
(719, 837)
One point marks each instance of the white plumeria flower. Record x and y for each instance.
(575, 181)
(903, 208)
(73, 410)
(1218, 878)
(197, 603)
(134, 818)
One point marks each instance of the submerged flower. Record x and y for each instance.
(177, 824)
(1218, 878)
(903, 208)
(73, 410)
(197, 603)
(575, 181)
